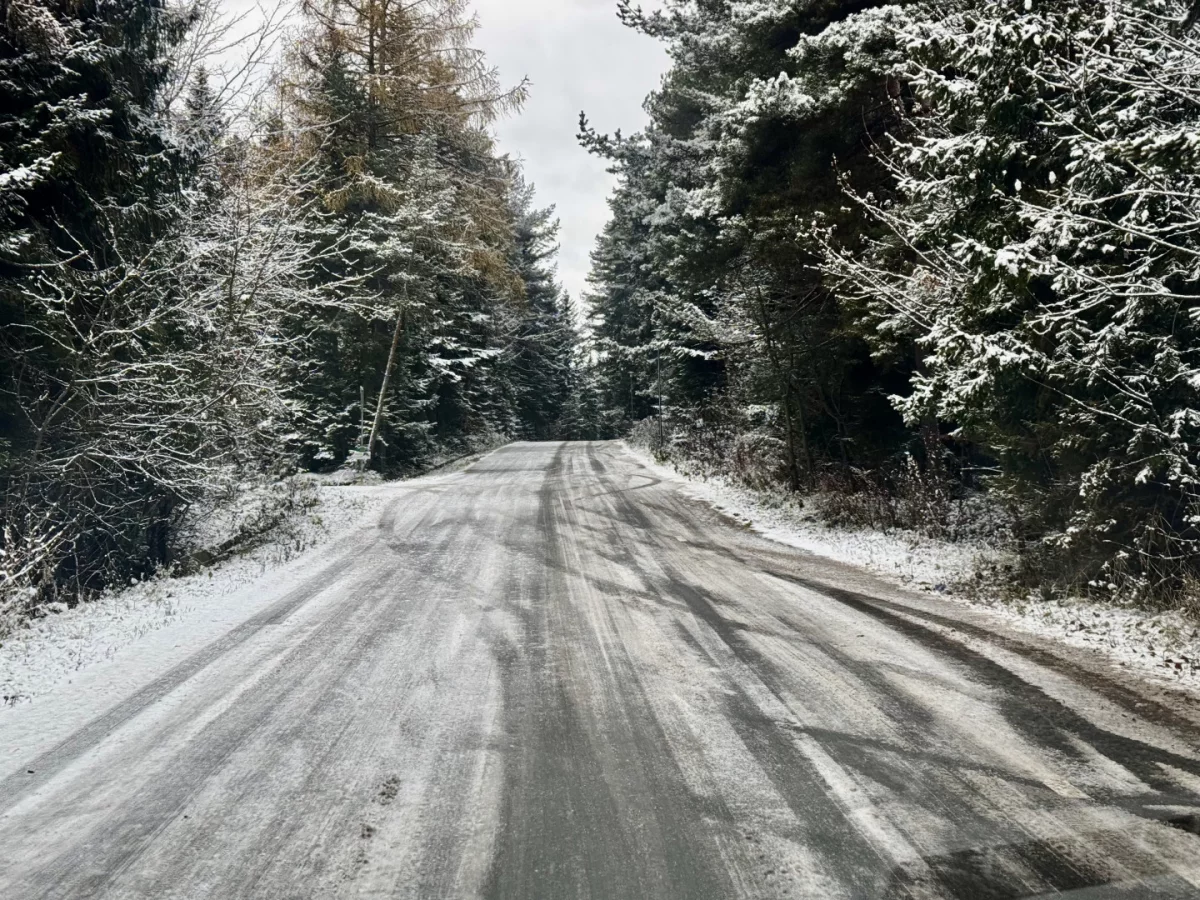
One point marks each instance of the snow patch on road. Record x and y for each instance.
(1163, 645)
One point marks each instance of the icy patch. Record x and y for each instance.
(1165, 645)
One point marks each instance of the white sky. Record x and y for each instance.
(578, 56)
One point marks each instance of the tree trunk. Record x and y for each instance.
(1191, 19)
(658, 386)
(783, 379)
(383, 388)
(793, 468)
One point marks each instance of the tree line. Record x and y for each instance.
(228, 253)
(920, 250)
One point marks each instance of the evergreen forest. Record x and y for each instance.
(901, 255)
(906, 255)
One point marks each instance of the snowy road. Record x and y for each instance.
(553, 676)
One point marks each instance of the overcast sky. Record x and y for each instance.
(578, 56)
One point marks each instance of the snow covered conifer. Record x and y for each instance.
(1042, 250)
(89, 179)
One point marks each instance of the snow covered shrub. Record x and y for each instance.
(1042, 249)
(27, 556)
(907, 495)
(720, 439)
(242, 515)
(855, 498)
(923, 497)
(756, 459)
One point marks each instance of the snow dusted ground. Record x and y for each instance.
(148, 625)
(51, 650)
(1164, 646)
(144, 626)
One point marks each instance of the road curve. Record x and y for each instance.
(552, 675)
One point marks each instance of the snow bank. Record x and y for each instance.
(145, 627)
(1164, 645)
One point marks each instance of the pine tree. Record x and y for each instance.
(542, 354)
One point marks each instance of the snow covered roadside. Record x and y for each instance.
(50, 651)
(1164, 646)
(123, 627)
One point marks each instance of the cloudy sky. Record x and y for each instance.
(578, 56)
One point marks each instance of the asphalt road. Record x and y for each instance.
(552, 675)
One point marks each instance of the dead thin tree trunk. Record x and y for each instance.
(383, 388)
(1191, 19)
(783, 376)
(659, 390)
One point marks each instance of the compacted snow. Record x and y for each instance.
(150, 625)
(53, 650)
(1164, 645)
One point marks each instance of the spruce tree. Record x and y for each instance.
(92, 177)
(542, 354)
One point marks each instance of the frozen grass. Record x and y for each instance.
(1163, 645)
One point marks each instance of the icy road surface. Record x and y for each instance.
(553, 676)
